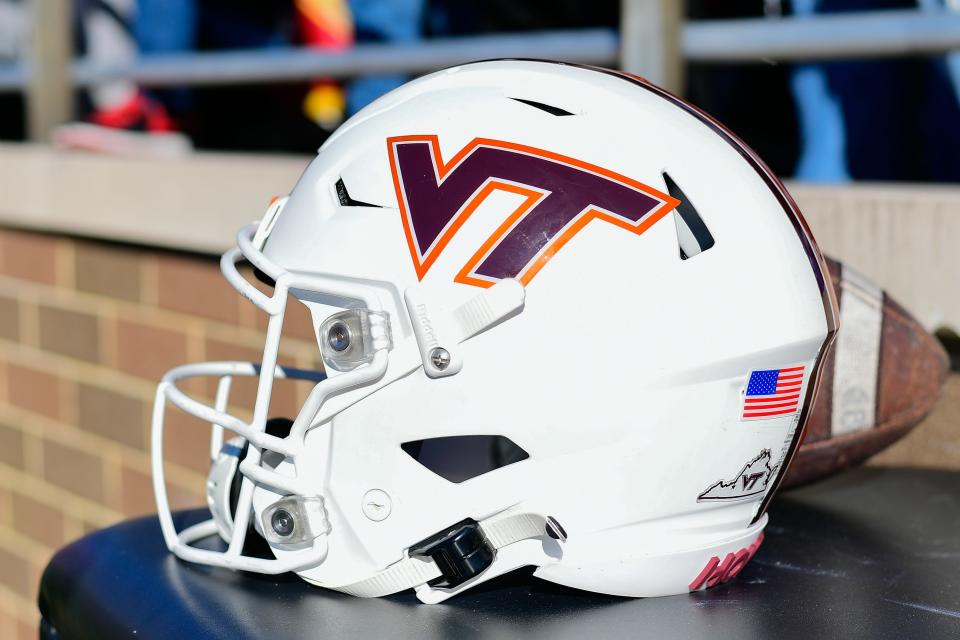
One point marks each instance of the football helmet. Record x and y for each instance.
(566, 321)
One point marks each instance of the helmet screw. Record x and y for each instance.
(282, 522)
(440, 358)
(338, 336)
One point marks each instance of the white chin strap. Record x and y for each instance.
(415, 572)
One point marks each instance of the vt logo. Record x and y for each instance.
(750, 480)
(561, 196)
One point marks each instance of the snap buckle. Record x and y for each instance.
(460, 551)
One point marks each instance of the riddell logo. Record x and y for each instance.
(561, 195)
(429, 337)
(716, 572)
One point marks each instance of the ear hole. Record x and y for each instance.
(346, 201)
(460, 458)
(549, 108)
(693, 236)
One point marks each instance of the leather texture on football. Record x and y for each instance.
(882, 376)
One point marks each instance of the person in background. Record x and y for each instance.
(265, 117)
(823, 147)
(325, 25)
(753, 100)
(124, 119)
(398, 21)
(880, 119)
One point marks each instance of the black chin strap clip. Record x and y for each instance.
(461, 552)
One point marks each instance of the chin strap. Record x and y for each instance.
(423, 565)
(439, 332)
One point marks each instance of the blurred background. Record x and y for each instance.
(136, 136)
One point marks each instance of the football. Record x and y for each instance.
(882, 376)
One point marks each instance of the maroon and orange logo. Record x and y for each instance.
(561, 196)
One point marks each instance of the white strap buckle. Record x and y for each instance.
(440, 333)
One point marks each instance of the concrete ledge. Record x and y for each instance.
(195, 203)
(905, 237)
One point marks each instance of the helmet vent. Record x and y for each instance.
(346, 201)
(549, 108)
(460, 458)
(693, 236)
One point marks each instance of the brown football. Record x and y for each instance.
(882, 376)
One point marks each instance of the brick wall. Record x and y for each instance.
(86, 330)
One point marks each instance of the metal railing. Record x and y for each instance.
(594, 46)
(822, 37)
(653, 41)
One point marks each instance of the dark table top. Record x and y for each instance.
(873, 553)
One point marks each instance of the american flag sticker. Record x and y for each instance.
(772, 393)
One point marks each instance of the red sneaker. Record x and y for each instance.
(140, 126)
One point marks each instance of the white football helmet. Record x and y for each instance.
(567, 321)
